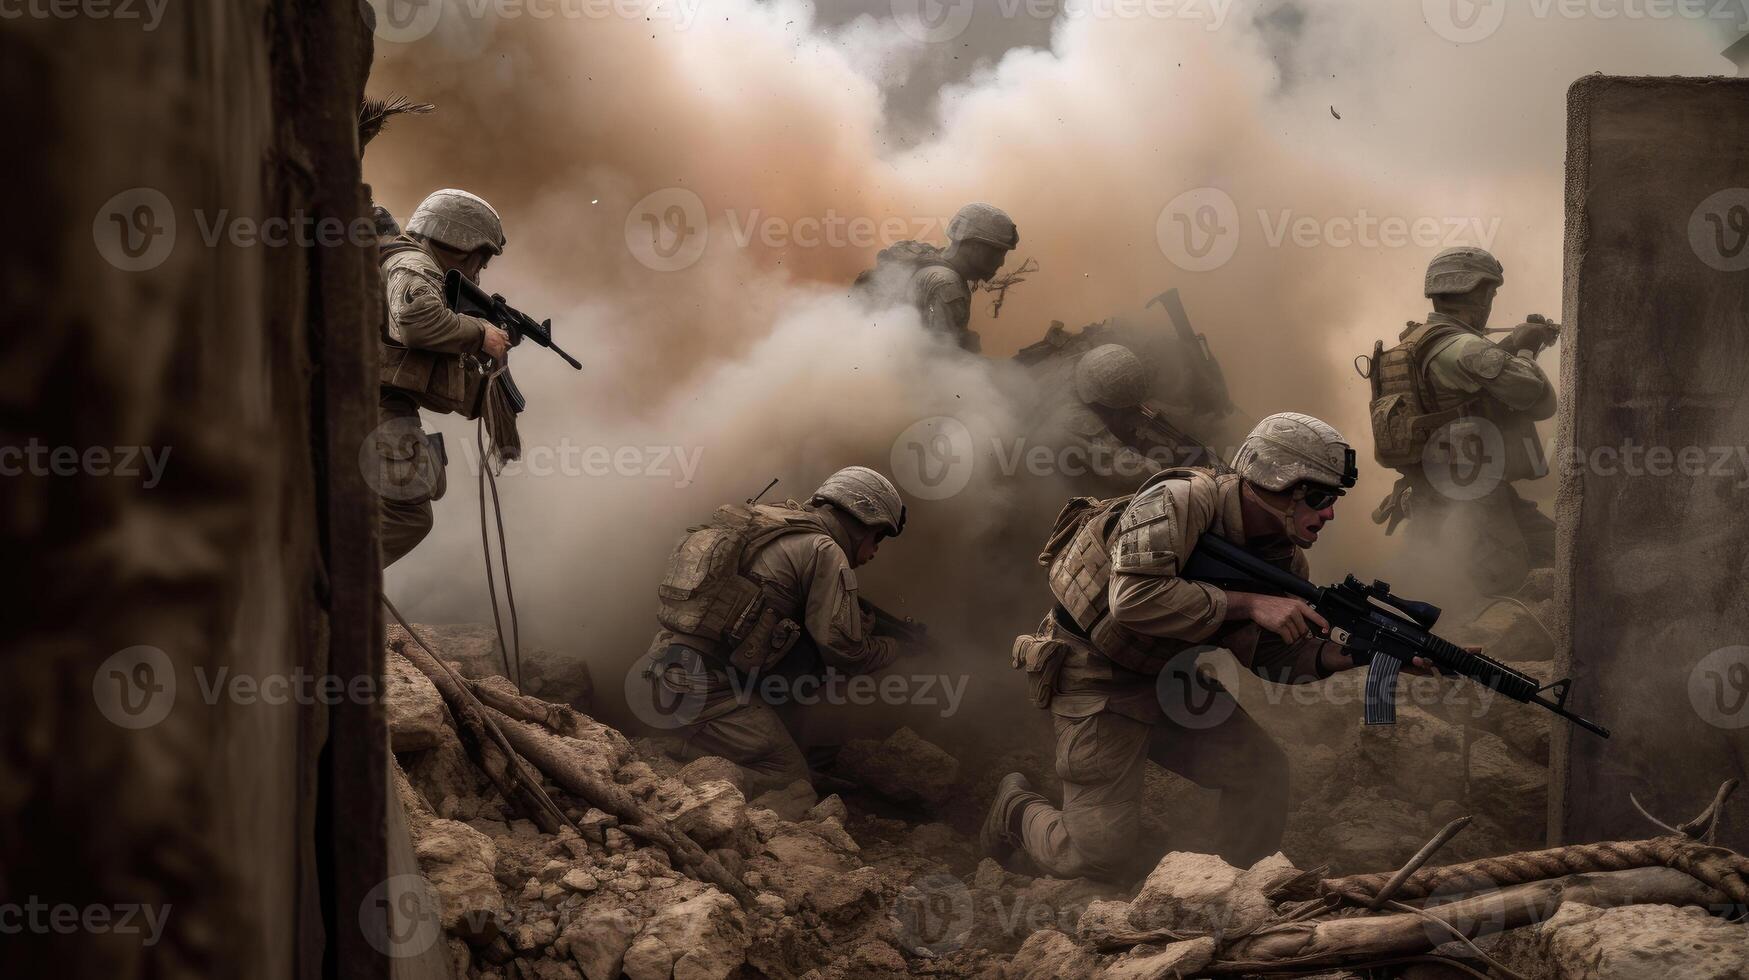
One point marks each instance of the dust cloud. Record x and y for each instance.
(765, 137)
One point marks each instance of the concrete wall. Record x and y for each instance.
(1654, 555)
(247, 369)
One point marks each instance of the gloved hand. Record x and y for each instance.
(1534, 334)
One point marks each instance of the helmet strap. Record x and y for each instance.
(1285, 516)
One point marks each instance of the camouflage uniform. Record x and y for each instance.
(807, 579)
(925, 278)
(1118, 704)
(427, 361)
(1458, 496)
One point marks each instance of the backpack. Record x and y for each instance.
(1403, 415)
(706, 592)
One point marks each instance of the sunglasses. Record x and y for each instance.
(1317, 497)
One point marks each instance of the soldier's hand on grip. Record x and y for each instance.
(496, 343)
(1291, 619)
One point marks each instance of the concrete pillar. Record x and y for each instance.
(1653, 504)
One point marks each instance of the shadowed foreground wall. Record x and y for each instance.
(245, 824)
(1654, 550)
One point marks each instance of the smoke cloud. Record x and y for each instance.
(689, 191)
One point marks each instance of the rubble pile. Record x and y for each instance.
(830, 891)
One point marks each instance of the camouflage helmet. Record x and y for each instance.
(984, 223)
(1290, 448)
(462, 221)
(1111, 375)
(1461, 269)
(865, 495)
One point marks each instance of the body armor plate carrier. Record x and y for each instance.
(707, 593)
(1406, 411)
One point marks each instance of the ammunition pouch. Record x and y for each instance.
(447, 383)
(1405, 410)
(1041, 655)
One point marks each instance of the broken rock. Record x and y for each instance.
(904, 767)
(702, 938)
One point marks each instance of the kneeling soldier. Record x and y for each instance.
(766, 593)
(1123, 615)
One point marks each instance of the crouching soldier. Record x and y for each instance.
(433, 358)
(755, 607)
(1123, 615)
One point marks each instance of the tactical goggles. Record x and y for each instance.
(1317, 497)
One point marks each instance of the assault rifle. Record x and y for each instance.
(906, 630)
(1384, 631)
(1155, 433)
(464, 296)
(1209, 384)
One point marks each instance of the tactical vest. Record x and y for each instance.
(1078, 555)
(435, 381)
(708, 594)
(910, 255)
(1406, 410)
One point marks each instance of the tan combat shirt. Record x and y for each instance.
(1517, 392)
(809, 577)
(418, 316)
(1157, 533)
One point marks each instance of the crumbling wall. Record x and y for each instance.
(147, 320)
(1654, 546)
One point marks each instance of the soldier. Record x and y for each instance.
(1123, 615)
(1455, 413)
(938, 282)
(432, 358)
(766, 593)
(1107, 415)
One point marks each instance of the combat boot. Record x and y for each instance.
(1000, 834)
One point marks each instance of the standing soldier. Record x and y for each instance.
(432, 359)
(760, 603)
(1455, 413)
(938, 282)
(1123, 616)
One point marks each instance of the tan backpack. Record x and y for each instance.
(1403, 405)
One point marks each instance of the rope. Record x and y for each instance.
(511, 653)
(1719, 867)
